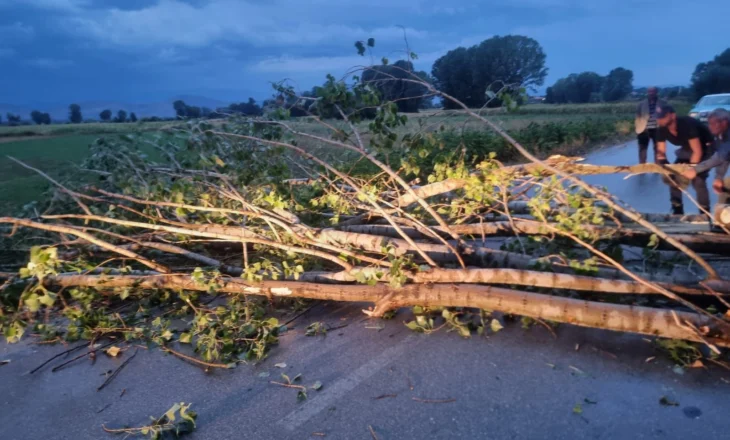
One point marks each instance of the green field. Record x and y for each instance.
(80, 129)
(545, 129)
(56, 156)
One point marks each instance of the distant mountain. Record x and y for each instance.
(91, 109)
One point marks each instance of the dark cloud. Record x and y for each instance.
(228, 49)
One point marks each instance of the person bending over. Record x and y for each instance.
(719, 125)
(695, 145)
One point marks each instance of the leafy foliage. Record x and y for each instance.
(468, 74)
(392, 83)
(712, 76)
(74, 114)
(176, 421)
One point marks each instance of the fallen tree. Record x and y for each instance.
(222, 213)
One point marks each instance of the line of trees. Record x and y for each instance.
(13, 120)
(591, 87)
(471, 74)
(713, 76)
(106, 116)
(247, 108)
(40, 118)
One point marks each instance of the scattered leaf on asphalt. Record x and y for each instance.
(577, 347)
(4, 362)
(264, 374)
(578, 409)
(280, 365)
(495, 325)
(317, 386)
(113, 351)
(649, 359)
(697, 364)
(550, 365)
(297, 378)
(678, 369)
(666, 401)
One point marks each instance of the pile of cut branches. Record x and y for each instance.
(185, 233)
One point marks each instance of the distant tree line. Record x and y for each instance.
(591, 87)
(713, 76)
(106, 116)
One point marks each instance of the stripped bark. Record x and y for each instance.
(558, 162)
(615, 317)
(516, 277)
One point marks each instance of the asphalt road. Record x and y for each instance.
(516, 384)
(645, 192)
(380, 376)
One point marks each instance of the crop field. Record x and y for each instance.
(93, 128)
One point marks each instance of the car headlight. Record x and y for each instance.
(693, 115)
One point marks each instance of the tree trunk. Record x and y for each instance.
(615, 317)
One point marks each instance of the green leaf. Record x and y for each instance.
(286, 378)
(495, 325)
(317, 386)
(578, 408)
(414, 326)
(464, 331)
(170, 414)
(185, 338)
(301, 395)
(280, 365)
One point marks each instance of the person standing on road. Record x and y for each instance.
(695, 145)
(645, 123)
(719, 124)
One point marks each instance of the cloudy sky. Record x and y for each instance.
(146, 50)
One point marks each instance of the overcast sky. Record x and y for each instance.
(146, 50)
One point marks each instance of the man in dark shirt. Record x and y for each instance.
(695, 145)
(719, 125)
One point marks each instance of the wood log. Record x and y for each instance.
(515, 171)
(615, 317)
(514, 277)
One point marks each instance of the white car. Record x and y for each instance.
(709, 103)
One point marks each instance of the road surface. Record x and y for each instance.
(516, 384)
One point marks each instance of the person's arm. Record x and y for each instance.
(696, 147)
(721, 170)
(715, 161)
(661, 152)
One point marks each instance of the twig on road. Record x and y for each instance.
(57, 356)
(114, 374)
